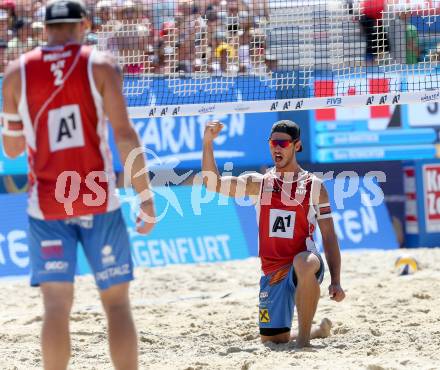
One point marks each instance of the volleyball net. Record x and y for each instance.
(192, 57)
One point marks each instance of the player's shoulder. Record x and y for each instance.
(318, 188)
(104, 60)
(315, 178)
(105, 68)
(13, 67)
(12, 72)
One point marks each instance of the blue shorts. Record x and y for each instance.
(104, 238)
(277, 299)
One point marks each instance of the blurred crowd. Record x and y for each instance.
(184, 36)
(187, 36)
(155, 36)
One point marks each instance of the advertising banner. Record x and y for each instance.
(431, 194)
(422, 115)
(10, 166)
(360, 216)
(14, 255)
(177, 141)
(423, 203)
(196, 226)
(409, 183)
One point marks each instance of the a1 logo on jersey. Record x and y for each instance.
(282, 223)
(65, 128)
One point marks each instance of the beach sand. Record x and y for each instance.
(205, 317)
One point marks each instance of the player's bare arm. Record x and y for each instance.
(14, 142)
(232, 186)
(331, 245)
(109, 83)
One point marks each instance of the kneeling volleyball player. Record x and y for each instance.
(290, 202)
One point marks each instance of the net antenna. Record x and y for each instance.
(130, 42)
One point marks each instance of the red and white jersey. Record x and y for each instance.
(65, 130)
(287, 214)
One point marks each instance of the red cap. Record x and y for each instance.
(166, 26)
(8, 4)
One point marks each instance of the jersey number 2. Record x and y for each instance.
(57, 70)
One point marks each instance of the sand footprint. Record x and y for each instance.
(421, 295)
(33, 320)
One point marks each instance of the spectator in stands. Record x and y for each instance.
(39, 11)
(103, 12)
(258, 51)
(271, 63)
(191, 26)
(3, 39)
(259, 10)
(412, 44)
(132, 39)
(225, 57)
(372, 25)
(22, 42)
(212, 24)
(38, 34)
(166, 58)
(244, 52)
(234, 7)
(10, 7)
(127, 11)
(3, 56)
(4, 26)
(160, 12)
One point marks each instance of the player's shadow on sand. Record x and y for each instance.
(289, 347)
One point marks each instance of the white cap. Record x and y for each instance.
(3, 15)
(128, 4)
(271, 57)
(104, 4)
(37, 25)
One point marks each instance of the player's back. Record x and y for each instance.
(65, 130)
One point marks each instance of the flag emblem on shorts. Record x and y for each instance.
(264, 315)
(52, 249)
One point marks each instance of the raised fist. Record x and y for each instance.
(212, 130)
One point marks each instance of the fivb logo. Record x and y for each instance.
(334, 102)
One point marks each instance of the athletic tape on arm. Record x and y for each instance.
(6, 118)
(324, 211)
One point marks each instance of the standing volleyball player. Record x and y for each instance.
(289, 202)
(56, 100)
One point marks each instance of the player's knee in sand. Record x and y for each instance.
(277, 339)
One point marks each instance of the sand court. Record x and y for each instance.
(205, 317)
